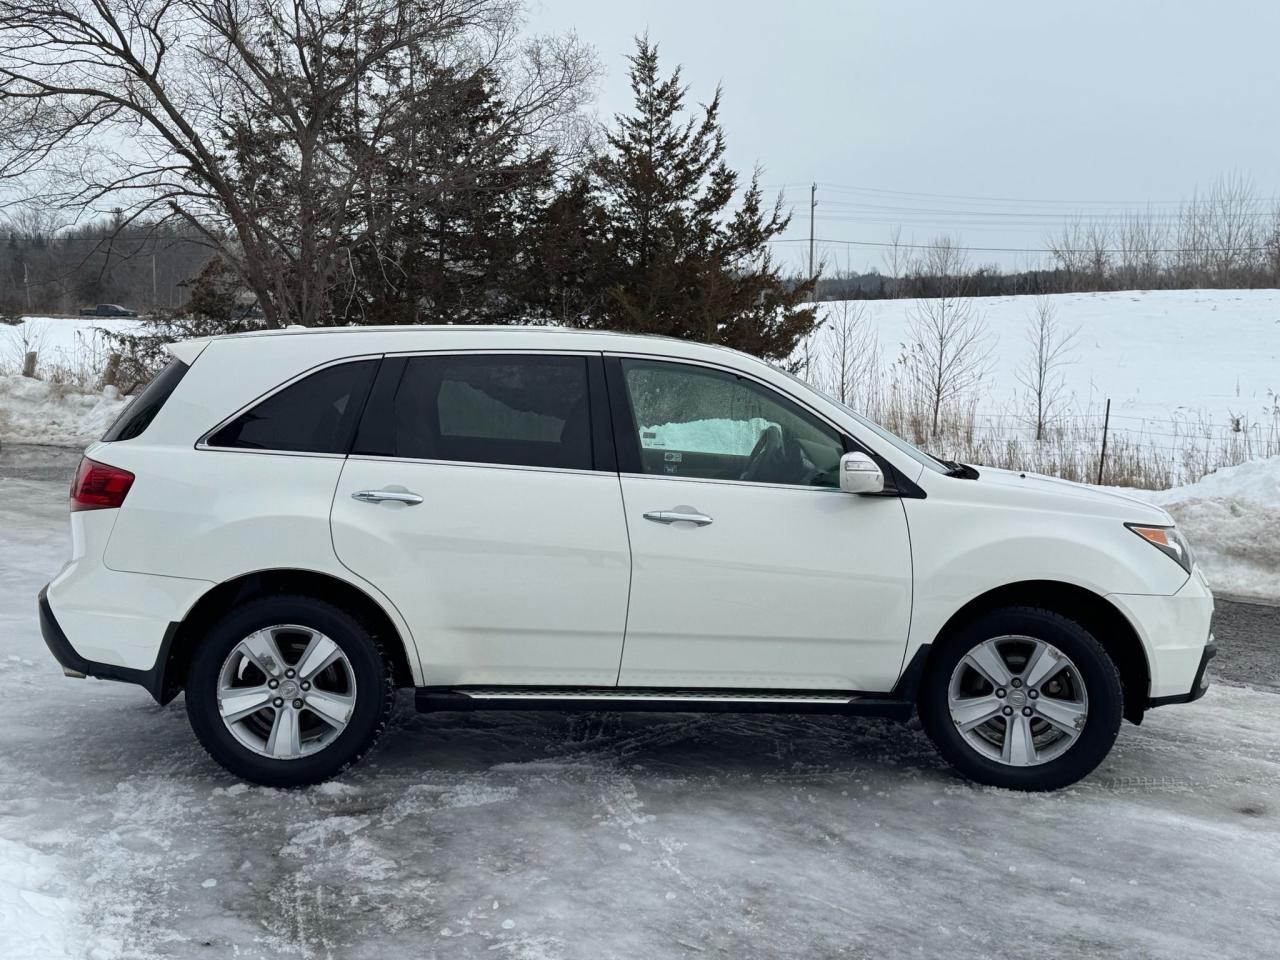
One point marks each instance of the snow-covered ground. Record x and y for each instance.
(1156, 353)
(548, 836)
(61, 343)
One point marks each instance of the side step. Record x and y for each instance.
(429, 699)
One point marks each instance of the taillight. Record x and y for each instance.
(98, 486)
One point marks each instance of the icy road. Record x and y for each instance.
(538, 836)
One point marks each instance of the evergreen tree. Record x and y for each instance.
(667, 252)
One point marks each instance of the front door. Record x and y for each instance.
(750, 568)
(479, 500)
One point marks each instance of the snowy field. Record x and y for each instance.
(1158, 354)
(549, 836)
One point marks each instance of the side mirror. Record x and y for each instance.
(860, 474)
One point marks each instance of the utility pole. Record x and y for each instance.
(813, 205)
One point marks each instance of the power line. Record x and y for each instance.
(849, 188)
(1088, 250)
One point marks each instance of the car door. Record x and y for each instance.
(750, 568)
(482, 497)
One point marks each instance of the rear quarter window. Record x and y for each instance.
(137, 416)
(317, 414)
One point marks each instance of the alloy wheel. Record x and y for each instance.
(1018, 700)
(286, 691)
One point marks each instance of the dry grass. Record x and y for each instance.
(1147, 454)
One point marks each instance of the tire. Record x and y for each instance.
(1082, 695)
(355, 689)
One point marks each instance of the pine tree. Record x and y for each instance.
(672, 257)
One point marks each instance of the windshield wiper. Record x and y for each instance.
(957, 469)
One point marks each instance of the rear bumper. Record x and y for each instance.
(74, 665)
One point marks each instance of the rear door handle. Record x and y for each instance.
(382, 496)
(686, 514)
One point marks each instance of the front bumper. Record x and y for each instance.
(1175, 632)
(1198, 688)
(74, 665)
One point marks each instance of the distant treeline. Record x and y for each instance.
(47, 270)
(1226, 238)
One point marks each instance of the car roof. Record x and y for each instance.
(615, 339)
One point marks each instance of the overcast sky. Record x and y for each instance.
(1057, 105)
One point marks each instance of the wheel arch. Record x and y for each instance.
(1106, 622)
(185, 636)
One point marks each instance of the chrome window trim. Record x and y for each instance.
(732, 483)
(380, 458)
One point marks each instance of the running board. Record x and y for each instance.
(428, 699)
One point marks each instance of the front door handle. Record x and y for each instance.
(381, 496)
(686, 514)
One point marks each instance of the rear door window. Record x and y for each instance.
(137, 416)
(316, 414)
(517, 410)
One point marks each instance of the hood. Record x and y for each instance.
(1090, 499)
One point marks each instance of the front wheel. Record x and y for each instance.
(1022, 698)
(288, 690)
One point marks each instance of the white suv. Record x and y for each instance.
(291, 525)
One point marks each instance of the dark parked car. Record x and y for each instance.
(107, 310)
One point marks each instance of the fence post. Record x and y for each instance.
(29, 365)
(111, 374)
(1102, 457)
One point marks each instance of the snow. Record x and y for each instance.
(73, 344)
(1232, 518)
(1156, 353)
(57, 408)
(33, 922)
(37, 411)
(546, 835)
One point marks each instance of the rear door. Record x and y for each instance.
(482, 497)
(751, 569)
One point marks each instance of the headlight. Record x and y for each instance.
(1168, 541)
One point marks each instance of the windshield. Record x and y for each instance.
(915, 453)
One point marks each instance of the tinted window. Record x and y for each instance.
(519, 410)
(137, 416)
(698, 422)
(317, 414)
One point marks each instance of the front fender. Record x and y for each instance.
(962, 551)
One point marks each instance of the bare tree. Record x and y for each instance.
(1041, 372)
(1231, 217)
(255, 122)
(852, 366)
(895, 258)
(948, 349)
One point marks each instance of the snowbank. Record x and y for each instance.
(36, 411)
(1232, 518)
(33, 923)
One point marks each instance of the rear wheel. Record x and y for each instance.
(288, 691)
(1022, 698)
